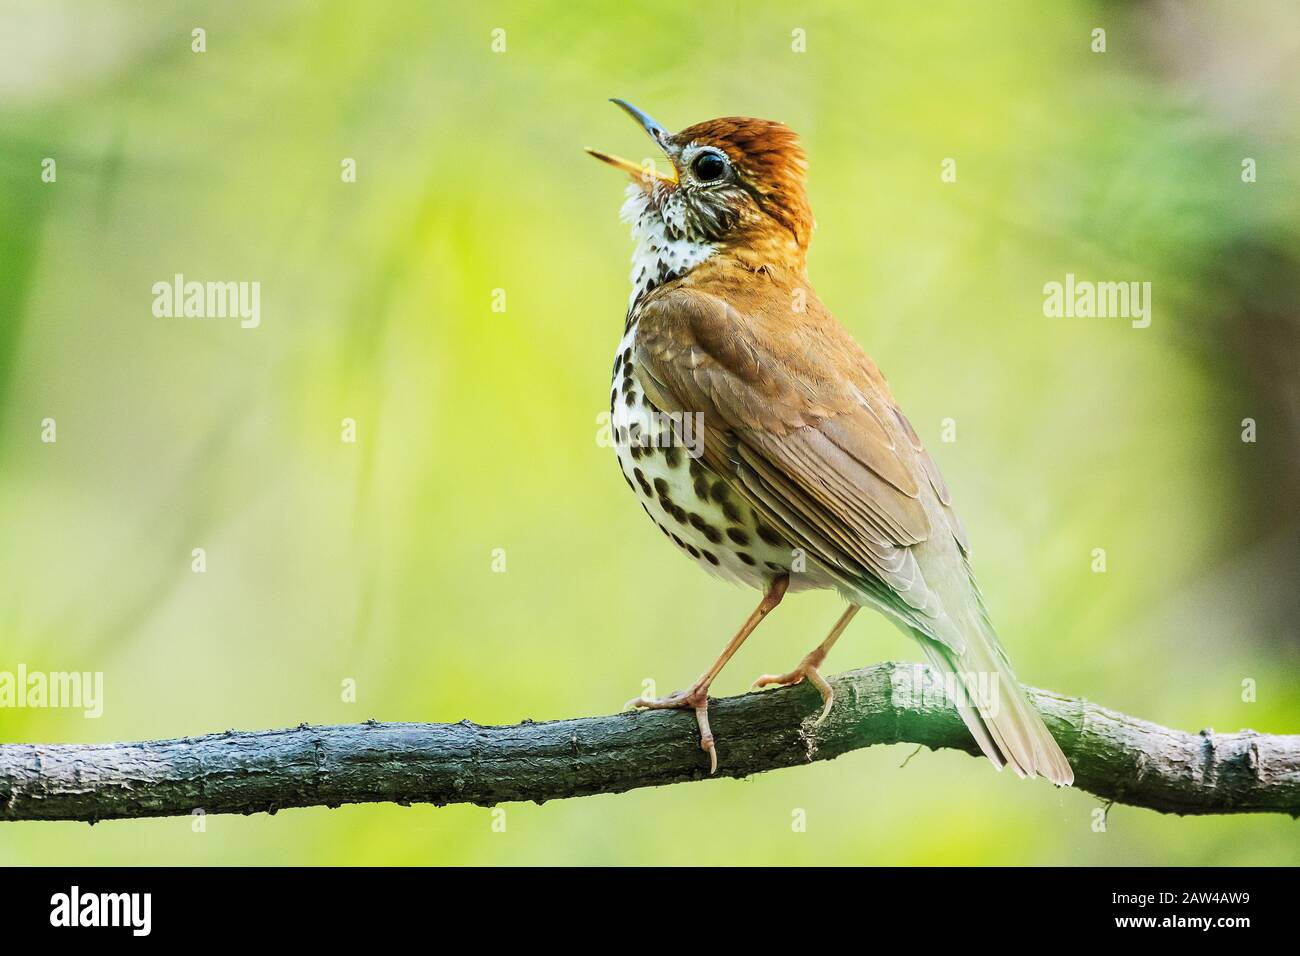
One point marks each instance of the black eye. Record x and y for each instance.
(708, 167)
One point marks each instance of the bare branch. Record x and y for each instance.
(1116, 757)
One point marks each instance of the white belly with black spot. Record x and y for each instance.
(691, 505)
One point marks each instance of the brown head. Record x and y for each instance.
(735, 183)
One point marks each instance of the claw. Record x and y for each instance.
(807, 669)
(778, 680)
(696, 699)
(828, 696)
(706, 734)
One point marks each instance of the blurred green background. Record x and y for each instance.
(372, 561)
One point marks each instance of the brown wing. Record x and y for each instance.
(804, 424)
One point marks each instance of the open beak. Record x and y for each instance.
(647, 172)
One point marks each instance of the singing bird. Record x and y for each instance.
(801, 472)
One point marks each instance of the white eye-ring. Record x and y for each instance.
(709, 165)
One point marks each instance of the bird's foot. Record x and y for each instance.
(807, 670)
(696, 698)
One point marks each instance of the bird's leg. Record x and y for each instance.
(808, 666)
(696, 697)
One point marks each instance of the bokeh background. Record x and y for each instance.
(329, 561)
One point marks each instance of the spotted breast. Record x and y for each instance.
(659, 452)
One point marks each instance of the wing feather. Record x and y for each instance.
(818, 447)
(825, 460)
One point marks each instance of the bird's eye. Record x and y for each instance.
(709, 167)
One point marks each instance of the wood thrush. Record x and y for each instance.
(766, 445)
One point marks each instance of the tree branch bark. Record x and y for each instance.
(1119, 758)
